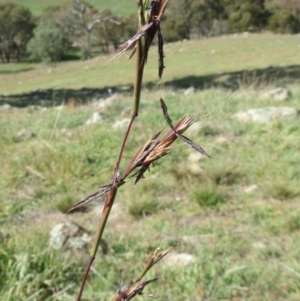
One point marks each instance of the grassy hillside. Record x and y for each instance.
(244, 240)
(265, 57)
(237, 214)
(118, 6)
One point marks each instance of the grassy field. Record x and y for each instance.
(237, 213)
(247, 59)
(117, 6)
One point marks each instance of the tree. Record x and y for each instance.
(84, 18)
(16, 27)
(205, 12)
(114, 33)
(189, 17)
(283, 21)
(49, 43)
(246, 15)
(285, 16)
(178, 20)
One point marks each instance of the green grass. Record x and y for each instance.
(259, 59)
(119, 7)
(245, 244)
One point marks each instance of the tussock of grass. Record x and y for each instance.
(143, 207)
(209, 196)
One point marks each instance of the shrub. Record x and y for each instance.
(49, 43)
(283, 21)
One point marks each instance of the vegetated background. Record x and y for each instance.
(236, 214)
(68, 30)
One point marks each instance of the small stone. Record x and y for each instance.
(179, 260)
(195, 157)
(96, 118)
(259, 245)
(60, 108)
(196, 239)
(195, 127)
(193, 163)
(5, 107)
(25, 135)
(250, 189)
(69, 235)
(221, 139)
(127, 111)
(189, 91)
(278, 94)
(121, 124)
(264, 115)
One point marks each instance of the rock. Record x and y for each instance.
(251, 188)
(195, 127)
(96, 118)
(5, 107)
(60, 107)
(189, 91)
(221, 139)
(193, 163)
(179, 259)
(125, 88)
(278, 94)
(32, 108)
(264, 115)
(245, 34)
(104, 104)
(127, 111)
(69, 236)
(198, 239)
(195, 157)
(25, 135)
(121, 124)
(259, 245)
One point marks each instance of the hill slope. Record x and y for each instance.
(118, 6)
(239, 58)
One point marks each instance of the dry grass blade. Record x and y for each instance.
(103, 190)
(137, 287)
(140, 156)
(133, 40)
(161, 65)
(178, 132)
(165, 112)
(190, 143)
(134, 289)
(140, 174)
(154, 14)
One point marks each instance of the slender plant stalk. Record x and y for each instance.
(112, 194)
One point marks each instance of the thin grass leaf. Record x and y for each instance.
(140, 173)
(134, 39)
(103, 190)
(155, 13)
(165, 112)
(190, 143)
(178, 134)
(161, 55)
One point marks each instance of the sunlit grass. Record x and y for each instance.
(119, 6)
(189, 63)
(244, 243)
